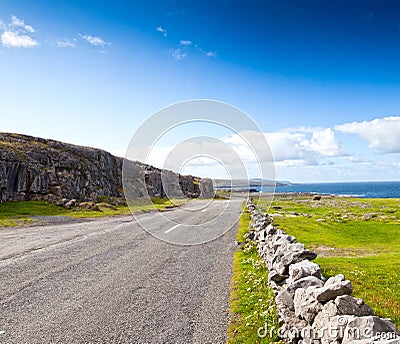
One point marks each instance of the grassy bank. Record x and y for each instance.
(25, 212)
(357, 237)
(252, 302)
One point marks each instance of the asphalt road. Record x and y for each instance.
(109, 281)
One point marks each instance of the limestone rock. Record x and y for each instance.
(70, 204)
(206, 188)
(296, 253)
(284, 300)
(347, 304)
(36, 168)
(306, 305)
(91, 206)
(303, 269)
(106, 206)
(276, 276)
(329, 330)
(334, 287)
(309, 281)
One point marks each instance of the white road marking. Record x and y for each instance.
(172, 228)
(202, 211)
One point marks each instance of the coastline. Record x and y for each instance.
(353, 190)
(344, 189)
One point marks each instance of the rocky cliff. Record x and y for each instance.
(36, 168)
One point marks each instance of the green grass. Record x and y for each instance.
(24, 212)
(357, 237)
(252, 304)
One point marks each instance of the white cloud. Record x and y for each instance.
(19, 23)
(323, 142)
(286, 145)
(382, 134)
(14, 40)
(300, 146)
(16, 34)
(162, 30)
(357, 159)
(178, 54)
(186, 43)
(307, 144)
(211, 54)
(291, 148)
(290, 163)
(187, 47)
(244, 150)
(65, 44)
(181, 52)
(213, 158)
(301, 154)
(95, 40)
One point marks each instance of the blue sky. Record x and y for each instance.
(321, 78)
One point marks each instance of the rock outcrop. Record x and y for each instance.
(36, 168)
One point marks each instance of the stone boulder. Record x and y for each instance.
(302, 269)
(334, 287)
(306, 304)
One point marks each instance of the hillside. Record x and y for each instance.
(37, 168)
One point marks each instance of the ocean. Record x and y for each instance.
(355, 189)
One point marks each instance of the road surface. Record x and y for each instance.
(109, 281)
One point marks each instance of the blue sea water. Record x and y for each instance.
(356, 189)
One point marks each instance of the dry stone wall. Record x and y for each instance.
(312, 309)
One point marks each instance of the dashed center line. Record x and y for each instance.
(172, 228)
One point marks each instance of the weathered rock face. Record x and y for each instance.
(34, 168)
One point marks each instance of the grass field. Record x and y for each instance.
(357, 237)
(24, 212)
(252, 303)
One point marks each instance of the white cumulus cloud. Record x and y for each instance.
(187, 47)
(323, 142)
(65, 44)
(186, 42)
(382, 134)
(14, 40)
(286, 145)
(95, 40)
(178, 54)
(211, 54)
(291, 146)
(307, 144)
(19, 23)
(162, 30)
(17, 34)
